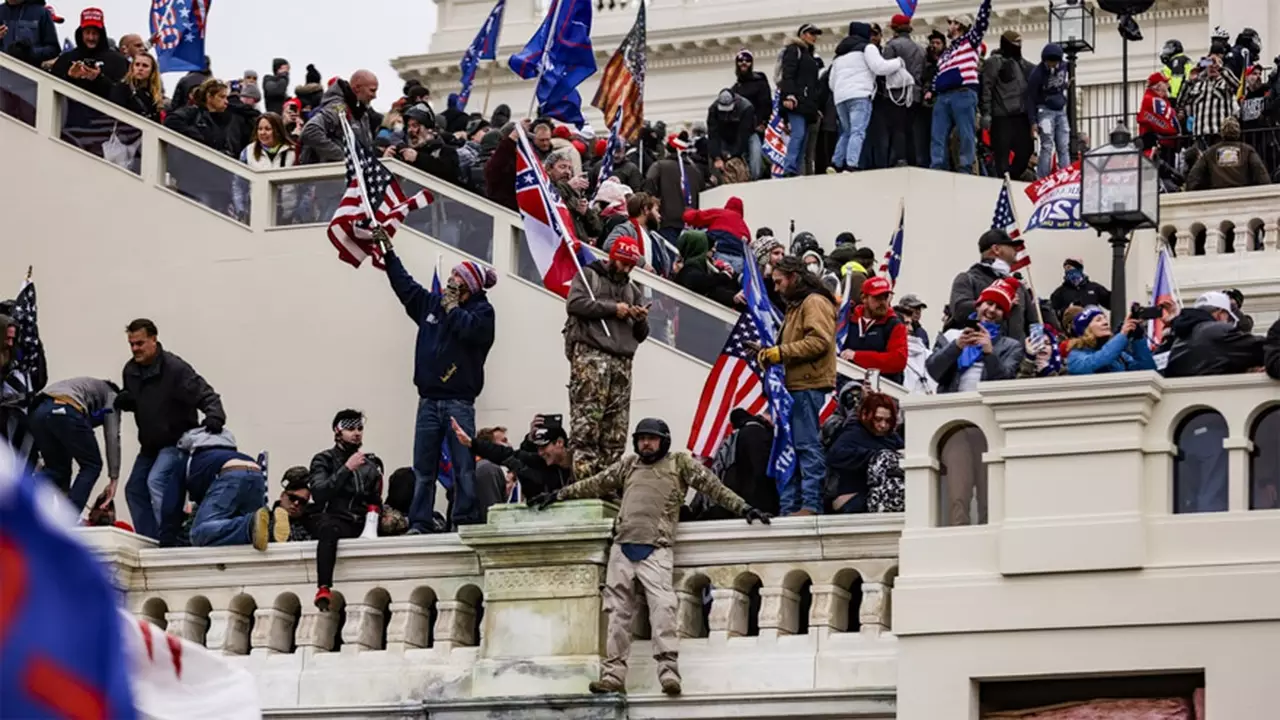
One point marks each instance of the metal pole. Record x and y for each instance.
(1119, 303)
(1124, 74)
(1073, 145)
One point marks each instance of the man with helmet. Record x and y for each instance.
(607, 320)
(1177, 66)
(653, 483)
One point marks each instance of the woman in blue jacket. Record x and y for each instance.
(1096, 349)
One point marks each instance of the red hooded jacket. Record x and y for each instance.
(727, 219)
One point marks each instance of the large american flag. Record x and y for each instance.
(1004, 219)
(615, 142)
(622, 83)
(734, 382)
(350, 231)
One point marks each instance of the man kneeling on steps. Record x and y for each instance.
(230, 492)
(653, 483)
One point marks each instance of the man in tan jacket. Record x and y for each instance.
(807, 350)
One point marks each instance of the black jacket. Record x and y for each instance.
(969, 284)
(535, 475)
(748, 476)
(1089, 293)
(1271, 351)
(164, 397)
(715, 286)
(439, 160)
(275, 91)
(800, 78)
(1203, 346)
(114, 65)
(32, 37)
(208, 129)
(851, 452)
(182, 92)
(339, 491)
(136, 100)
(754, 86)
(729, 132)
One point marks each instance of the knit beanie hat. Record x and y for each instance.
(1155, 79)
(1081, 321)
(762, 246)
(1231, 129)
(1003, 293)
(477, 277)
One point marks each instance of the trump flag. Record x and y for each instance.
(178, 32)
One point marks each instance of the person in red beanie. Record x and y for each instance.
(1158, 120)
(726, 229)
(877, 338)
(904, 117)
(607, 320)
(91, 65)
(980, 350)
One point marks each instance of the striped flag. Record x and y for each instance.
(611, 147)
(26, 376)
(734, 382)
(548, 228)
(369, 184)
(776, 138)
(1004, 219)
(1164, 293)
(622, 83)
(892, 264)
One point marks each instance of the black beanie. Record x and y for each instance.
(313, 75)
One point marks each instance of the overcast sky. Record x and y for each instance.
(243, 34)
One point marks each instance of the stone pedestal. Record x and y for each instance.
(543, 631)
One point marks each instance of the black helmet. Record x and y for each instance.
(803, 242)
(1170, 49)
(656, 428)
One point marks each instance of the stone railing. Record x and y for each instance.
(797, 614)
(1216, 222)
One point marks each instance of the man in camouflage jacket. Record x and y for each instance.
(653, 483)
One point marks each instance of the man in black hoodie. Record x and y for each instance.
(754, 86)
(322, 136)
(1207, 341)
(91, 65)
(541, 463)
(27, 31)
(799, 88)
(275, 87)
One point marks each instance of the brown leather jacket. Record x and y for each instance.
(808, 343)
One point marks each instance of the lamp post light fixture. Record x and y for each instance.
(1119, 193)
(1071, 25)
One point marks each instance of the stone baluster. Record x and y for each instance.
(729, 608)
(689, 621)
(272, 630)
(410, 626)
(1182, 243)
(363, 628)
(1213, 240)
(830, 610)
(1270, 236)
(188, 626)
(316, 629)
(228, 632)
(779, 611)
(874, 611)
(455, 624)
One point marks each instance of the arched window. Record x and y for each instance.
(1200, 468)
(1264, 462)
(962, 495)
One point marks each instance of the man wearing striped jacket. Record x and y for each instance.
(956, 89)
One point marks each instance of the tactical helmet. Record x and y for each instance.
(656, 428)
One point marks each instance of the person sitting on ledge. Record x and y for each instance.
(653, 483)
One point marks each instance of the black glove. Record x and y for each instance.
(125, 402)
(214, 425)
(543, 501)
(753, 515)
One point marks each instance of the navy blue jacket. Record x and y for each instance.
(1047, 89)
(31, 29)
(452, 347)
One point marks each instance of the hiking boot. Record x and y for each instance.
(606, 685)
(279, 525)
(323, 598)
(261, 525)
(671, 686)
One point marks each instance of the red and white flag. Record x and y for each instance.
(548, 228)
(1164, 294)
(176, 679)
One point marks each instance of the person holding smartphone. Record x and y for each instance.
(1096, 348)
(91, 65)
(980, 349)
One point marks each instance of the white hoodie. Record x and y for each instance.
(853, 75)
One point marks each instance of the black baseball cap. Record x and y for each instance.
(993, 237)
(544, 436)
(809, 28)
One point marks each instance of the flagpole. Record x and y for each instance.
(359, 172)
(1013, 210)
(902, 209)
(488, 89)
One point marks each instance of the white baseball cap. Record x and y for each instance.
(1216, 300)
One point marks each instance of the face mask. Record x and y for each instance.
(814, 268)
(1074, 276)
(1001, 267)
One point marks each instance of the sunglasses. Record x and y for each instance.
(297, 498)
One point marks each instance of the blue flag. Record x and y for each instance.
(178, 27)
(62, 653)
(560, 55)
(908, 7)
(484, 47)
(444, 470)
(782, 456)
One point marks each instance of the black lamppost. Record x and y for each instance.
(1119, 193)
(1071, 25)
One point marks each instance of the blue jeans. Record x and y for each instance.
(755, 156)
(854, 115)
(1055, 135)
(955, 109)
(154, 491)
(63, 434)
(803, 490)
(225, 515)
(795, 146)
(429, 431)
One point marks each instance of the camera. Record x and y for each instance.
(1140, 312)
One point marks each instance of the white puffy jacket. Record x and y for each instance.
(853, 75)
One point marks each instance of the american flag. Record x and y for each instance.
(28, 375)
(892, 264)
(611, 147)
(1004, 219)
(734, 382)
(622, 83)
(350, 231)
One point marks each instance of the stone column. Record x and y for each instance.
(543, 630)
(729, 609)
(363, 628)
(316, 630)
(779, 611)
(273, 630)
(188, 626)
(228, 632)
(874, 610)
(455, 624)
(409, 626)
(830, 610)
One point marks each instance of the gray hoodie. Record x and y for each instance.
(97, 397)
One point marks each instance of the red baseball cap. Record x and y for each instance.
(53, 14)
(876, 286)
(92, 17)
(625, 249)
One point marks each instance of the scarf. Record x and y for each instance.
(969, 356)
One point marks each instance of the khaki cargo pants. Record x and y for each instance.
(654, 576)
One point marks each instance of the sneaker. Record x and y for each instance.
(671, 686)
(323, 598)
(260, 527)
(606, 685)
(279, 525)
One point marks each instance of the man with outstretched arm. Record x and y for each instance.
(653, 483)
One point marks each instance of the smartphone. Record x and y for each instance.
(971, 324)
(552, 420)
(1037, 333)
(1138, 312)
(873, 380)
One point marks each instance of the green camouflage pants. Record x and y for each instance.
(599, 408)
